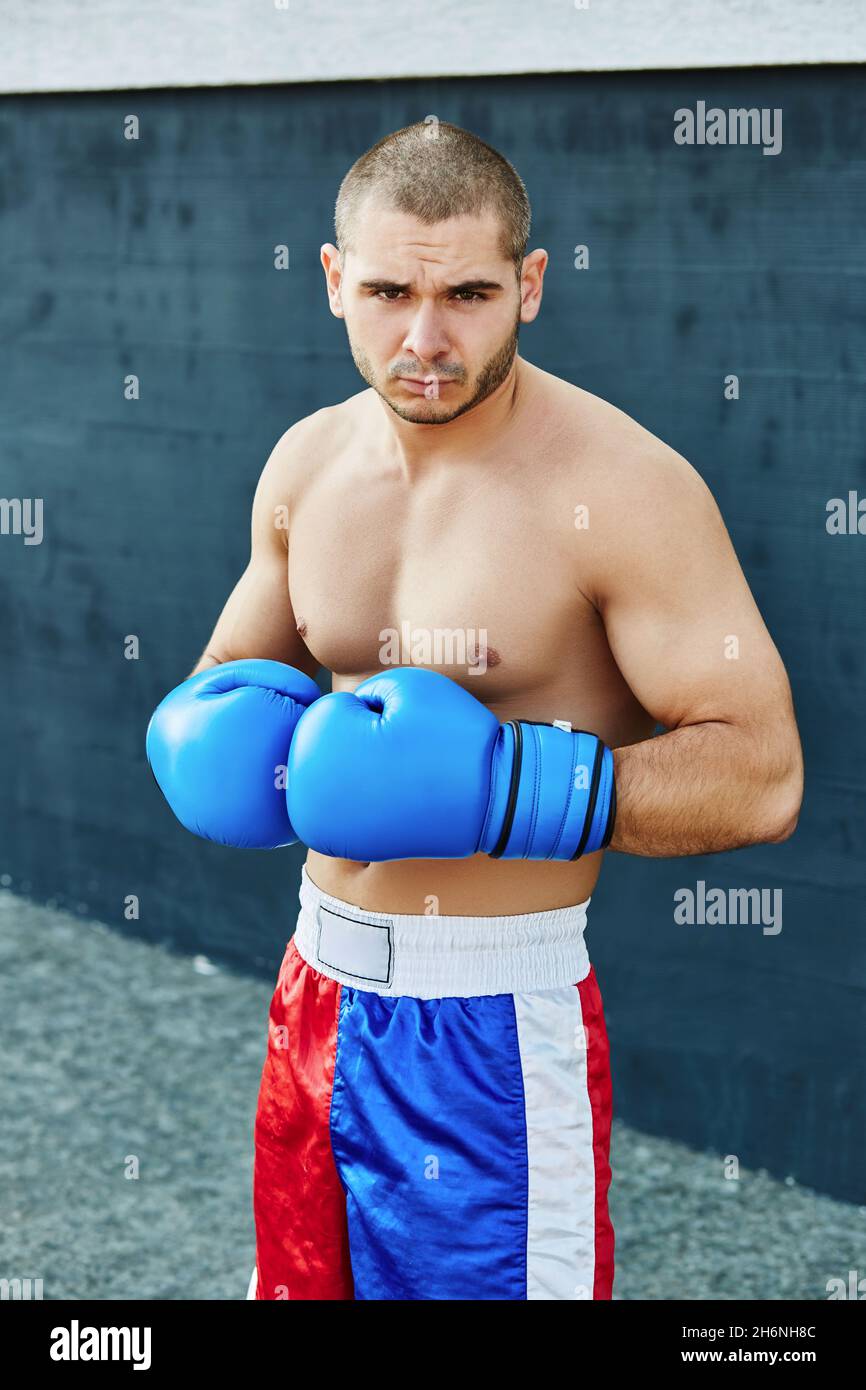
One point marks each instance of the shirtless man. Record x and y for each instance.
(435, 1105)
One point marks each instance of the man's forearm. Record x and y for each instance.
(704, 788)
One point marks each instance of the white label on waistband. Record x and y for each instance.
(353, 947)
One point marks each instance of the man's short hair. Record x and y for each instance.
(435, 171)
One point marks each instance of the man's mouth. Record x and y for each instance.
(418, 385)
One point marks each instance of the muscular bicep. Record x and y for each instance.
(258, 620)
(680, 619)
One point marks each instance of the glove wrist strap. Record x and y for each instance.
(552, 794)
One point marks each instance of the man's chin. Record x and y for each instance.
(421, 411)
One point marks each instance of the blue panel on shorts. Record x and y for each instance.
(428, 1130)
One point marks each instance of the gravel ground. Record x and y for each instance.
(119, 1057)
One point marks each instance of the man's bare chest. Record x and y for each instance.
(475, 579)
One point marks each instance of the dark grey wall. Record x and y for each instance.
(154, 258)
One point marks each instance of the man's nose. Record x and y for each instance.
(426, 337)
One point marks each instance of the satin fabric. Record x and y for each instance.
(443, 1149)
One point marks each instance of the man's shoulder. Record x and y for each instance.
(306, 448)
(612, 452)
(326, 426)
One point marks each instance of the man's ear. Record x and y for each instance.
(531, 282)
(332, 266)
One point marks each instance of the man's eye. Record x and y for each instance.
(469, 296)
(388, 295)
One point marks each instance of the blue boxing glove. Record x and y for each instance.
(411, 766)
(218, 746)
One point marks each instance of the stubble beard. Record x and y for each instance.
(491, 376)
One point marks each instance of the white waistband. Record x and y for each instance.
(430, 957)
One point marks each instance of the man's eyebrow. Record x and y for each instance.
(383, 285)
(463, 287)
(475, 285)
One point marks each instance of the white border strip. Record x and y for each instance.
(99, 45)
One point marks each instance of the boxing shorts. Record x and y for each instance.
(435, 1107)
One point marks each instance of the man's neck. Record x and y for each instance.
(419, 446)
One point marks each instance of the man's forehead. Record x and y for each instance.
(382, 231)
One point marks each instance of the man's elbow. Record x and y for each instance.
(784, 831)
(783, 810)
